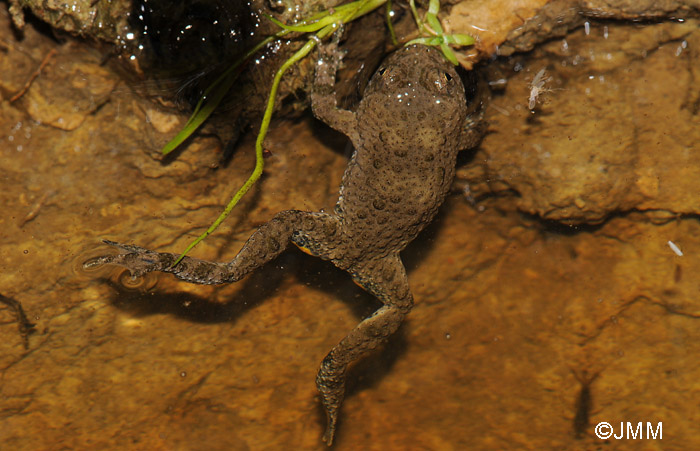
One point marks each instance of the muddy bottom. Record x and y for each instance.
(526, 334)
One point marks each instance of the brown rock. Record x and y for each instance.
(610, 132)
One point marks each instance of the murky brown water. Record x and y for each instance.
(513, 317)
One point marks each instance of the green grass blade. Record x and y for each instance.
(201, 114)
(433, 7)
(416, 17)
(306, 27)
(448, 53)
(212, 97)
(434, 23)
(459, 39)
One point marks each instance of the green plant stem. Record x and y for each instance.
(259, 161)
(416, 17)
(390, 25)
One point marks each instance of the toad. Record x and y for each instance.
(406, 131)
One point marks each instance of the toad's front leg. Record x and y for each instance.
(323, 101)
(309, 230)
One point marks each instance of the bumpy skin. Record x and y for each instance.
(407, 130)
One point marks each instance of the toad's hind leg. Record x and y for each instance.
(266, 243)
(386, 279)
(313, 232)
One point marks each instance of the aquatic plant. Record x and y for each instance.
(433, 34)
(320, 26)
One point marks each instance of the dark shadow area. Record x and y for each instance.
(466, 156)
(561, 228)
(333, 282)
(415, 250)
(473, 83)
(181, 37)
(256, 288)
(38, 25)
(367, 372)
(550, 226)
(24, 327)
(332, 138)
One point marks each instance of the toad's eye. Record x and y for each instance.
(443, 80)
(437, 79)
(381, 71)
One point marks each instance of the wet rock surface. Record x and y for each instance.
(611, 130)
(505, 26)
(513, 315)
(95, 19)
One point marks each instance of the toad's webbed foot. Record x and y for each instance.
(136, 259)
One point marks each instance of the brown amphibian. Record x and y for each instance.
(407, 130)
